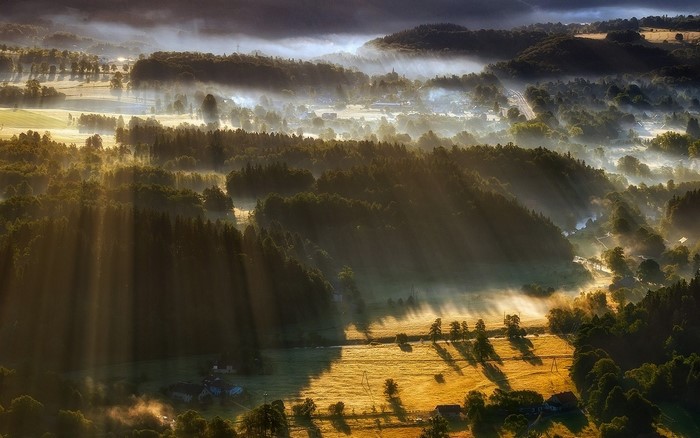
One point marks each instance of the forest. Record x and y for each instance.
(242, 70)
(627, 362)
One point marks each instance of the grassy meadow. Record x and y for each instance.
(665, 36)
(427, 374)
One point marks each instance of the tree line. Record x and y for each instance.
(242, 70)
(455, 39)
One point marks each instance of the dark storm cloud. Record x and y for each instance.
(275, 18)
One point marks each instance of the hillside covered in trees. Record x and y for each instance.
(425, 215)
(122, 265)
(91, 233)
(568, 55)
(453, 39)
(626, 363)
(242, 70)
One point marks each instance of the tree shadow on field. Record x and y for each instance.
(340, 424)
(465, 350)
(407, 348)
(494, 374)
(398, 409)
(485, 431)
(524, 347)
(362, 324)
(495, 357)
(576, 421)
(447, 357)
(312, 429)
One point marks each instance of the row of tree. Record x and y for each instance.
(243, 71)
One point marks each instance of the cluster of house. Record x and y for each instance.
(561, 402)
(211, 386)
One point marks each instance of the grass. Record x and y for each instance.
(356, 374)
(81, 97)
(41, 120)
(666, 36)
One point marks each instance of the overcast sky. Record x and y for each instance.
(284, 18)
(304, 28)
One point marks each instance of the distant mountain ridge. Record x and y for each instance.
(550, 50)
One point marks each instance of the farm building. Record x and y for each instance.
(448, 411)
(217, 387)
(188, 392)
(563, 401)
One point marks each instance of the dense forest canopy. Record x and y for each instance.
(407, 209)
(243, 70)
(567, 55)
(433, 214)
(458, 40)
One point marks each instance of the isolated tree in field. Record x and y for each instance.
(401, 338)
(337, 409)
(437, 428)
(482, 346)
(513, 330)
(455, 331)
(679, 37)
(265, 421)
(435, 331)
(305, 409)
(391, 388)
(210, 110)
(480, 326)
(464, 330)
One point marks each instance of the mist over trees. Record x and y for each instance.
(390, 209)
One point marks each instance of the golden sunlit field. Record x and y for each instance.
(93, 98)
(654, 36)
(427, 375)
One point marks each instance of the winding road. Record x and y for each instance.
(516, 98)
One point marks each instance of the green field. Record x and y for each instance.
(35, 119)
